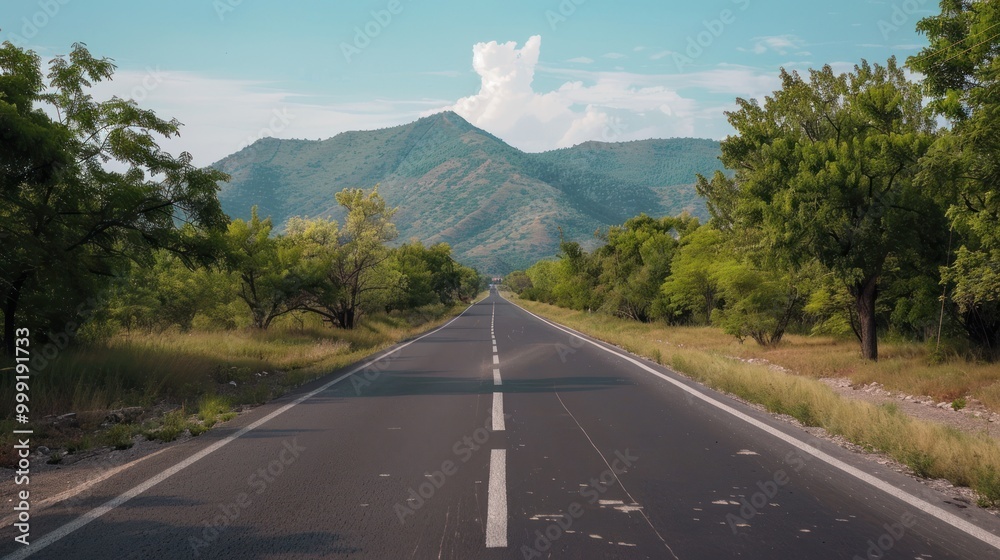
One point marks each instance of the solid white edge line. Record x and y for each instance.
(496, 508)
(496, 377)
(942, 515)
(83, 520)
(498, 425)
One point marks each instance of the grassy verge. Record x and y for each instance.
(187, 382)
(930, 450)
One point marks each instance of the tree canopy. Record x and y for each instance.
(825, 168)
(66, 217)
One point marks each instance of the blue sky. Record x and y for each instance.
(541, 74)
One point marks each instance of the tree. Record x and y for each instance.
(267, 269)
(576, 278)
(825, 169)
(692, 289)
(634, 263)
(412, 261)
(543, 276)
(359, 271)
(518, 281)
(65, 219)
(759, 303)
(960, 69)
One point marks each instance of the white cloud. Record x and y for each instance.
(661, 54)
(221, 116)
(781, 44)
(610, 106)
(581, 60)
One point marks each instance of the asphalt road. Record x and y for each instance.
(502, 436)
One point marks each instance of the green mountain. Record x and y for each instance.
(498, 207)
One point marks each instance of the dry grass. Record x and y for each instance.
(144, 369)
(931, 450)
(903, 366)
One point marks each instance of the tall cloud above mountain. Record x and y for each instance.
(608, 106)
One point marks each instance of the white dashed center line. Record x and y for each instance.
(498, 425)
(496, 507)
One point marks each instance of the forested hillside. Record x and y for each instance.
(498, 207)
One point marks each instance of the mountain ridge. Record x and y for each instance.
(498, 207)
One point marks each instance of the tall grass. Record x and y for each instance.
(930, 450)
(149, 368)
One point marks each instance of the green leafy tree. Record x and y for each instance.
(576, 275)
(411, 260)
(692, 290)
(360, 268)
(170, 293)
(517, 281)
(543, 275)
(267, 269)
(760, 303)
(960, 74)
(825, 170)
(65, 219)
(634, 263)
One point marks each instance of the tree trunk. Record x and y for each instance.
(865, 294)
(10, 304)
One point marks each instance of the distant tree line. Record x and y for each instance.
(99, 227)
(847, 210)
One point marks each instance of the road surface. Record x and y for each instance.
(503, 436)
